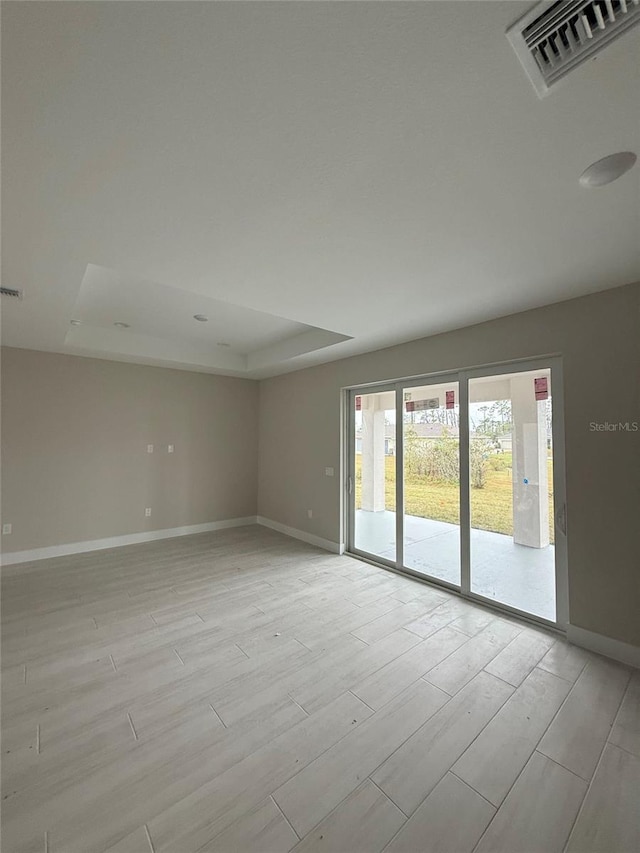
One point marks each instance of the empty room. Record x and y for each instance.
(320, 426)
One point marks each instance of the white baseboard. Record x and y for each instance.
(117, 541)
(327, 544)
(616, 649)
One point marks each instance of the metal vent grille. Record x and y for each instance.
(9, 291)
(554, 38)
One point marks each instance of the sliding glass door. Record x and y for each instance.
(512, 493)
(458, 478)
(431, 480)
(373, 476)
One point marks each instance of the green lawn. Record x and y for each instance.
(491, 507)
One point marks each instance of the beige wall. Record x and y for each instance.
(75, 431)
(75, 465)
(599, 339)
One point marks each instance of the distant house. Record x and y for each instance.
(505, 443)
(425, 431)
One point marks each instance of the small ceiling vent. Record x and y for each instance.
(553, 38)
(10, 291)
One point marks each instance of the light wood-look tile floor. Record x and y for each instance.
(241, 691)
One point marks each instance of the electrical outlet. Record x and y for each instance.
(310, 513)
(6, 529)
(149, 448)
(169, 448)
(147, 511)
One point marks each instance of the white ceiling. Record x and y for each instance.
(162, 327)
(381, 171)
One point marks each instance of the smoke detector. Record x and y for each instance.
(553, 38)
(608, 169)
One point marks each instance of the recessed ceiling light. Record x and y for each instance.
(122, 325)
(202, 318)
(76, 322)
(608, 169)
(223, 344)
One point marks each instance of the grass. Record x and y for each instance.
(491, 507)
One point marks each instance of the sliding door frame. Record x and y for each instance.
(462, 377)
(401, 387)
(352, 393)
(554, 364)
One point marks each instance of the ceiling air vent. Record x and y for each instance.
(554, 38)
(10, 291)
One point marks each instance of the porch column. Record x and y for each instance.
(372, 454)
(530, 481)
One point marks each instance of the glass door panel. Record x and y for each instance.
(511, 494)
(374, 474)
(431, 479)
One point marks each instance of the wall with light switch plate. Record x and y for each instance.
(94, 449)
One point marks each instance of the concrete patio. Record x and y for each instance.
(517, 575)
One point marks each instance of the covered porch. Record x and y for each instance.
(502, 570)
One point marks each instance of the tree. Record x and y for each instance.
(495, 422)
(479, 453)
(438, 459)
